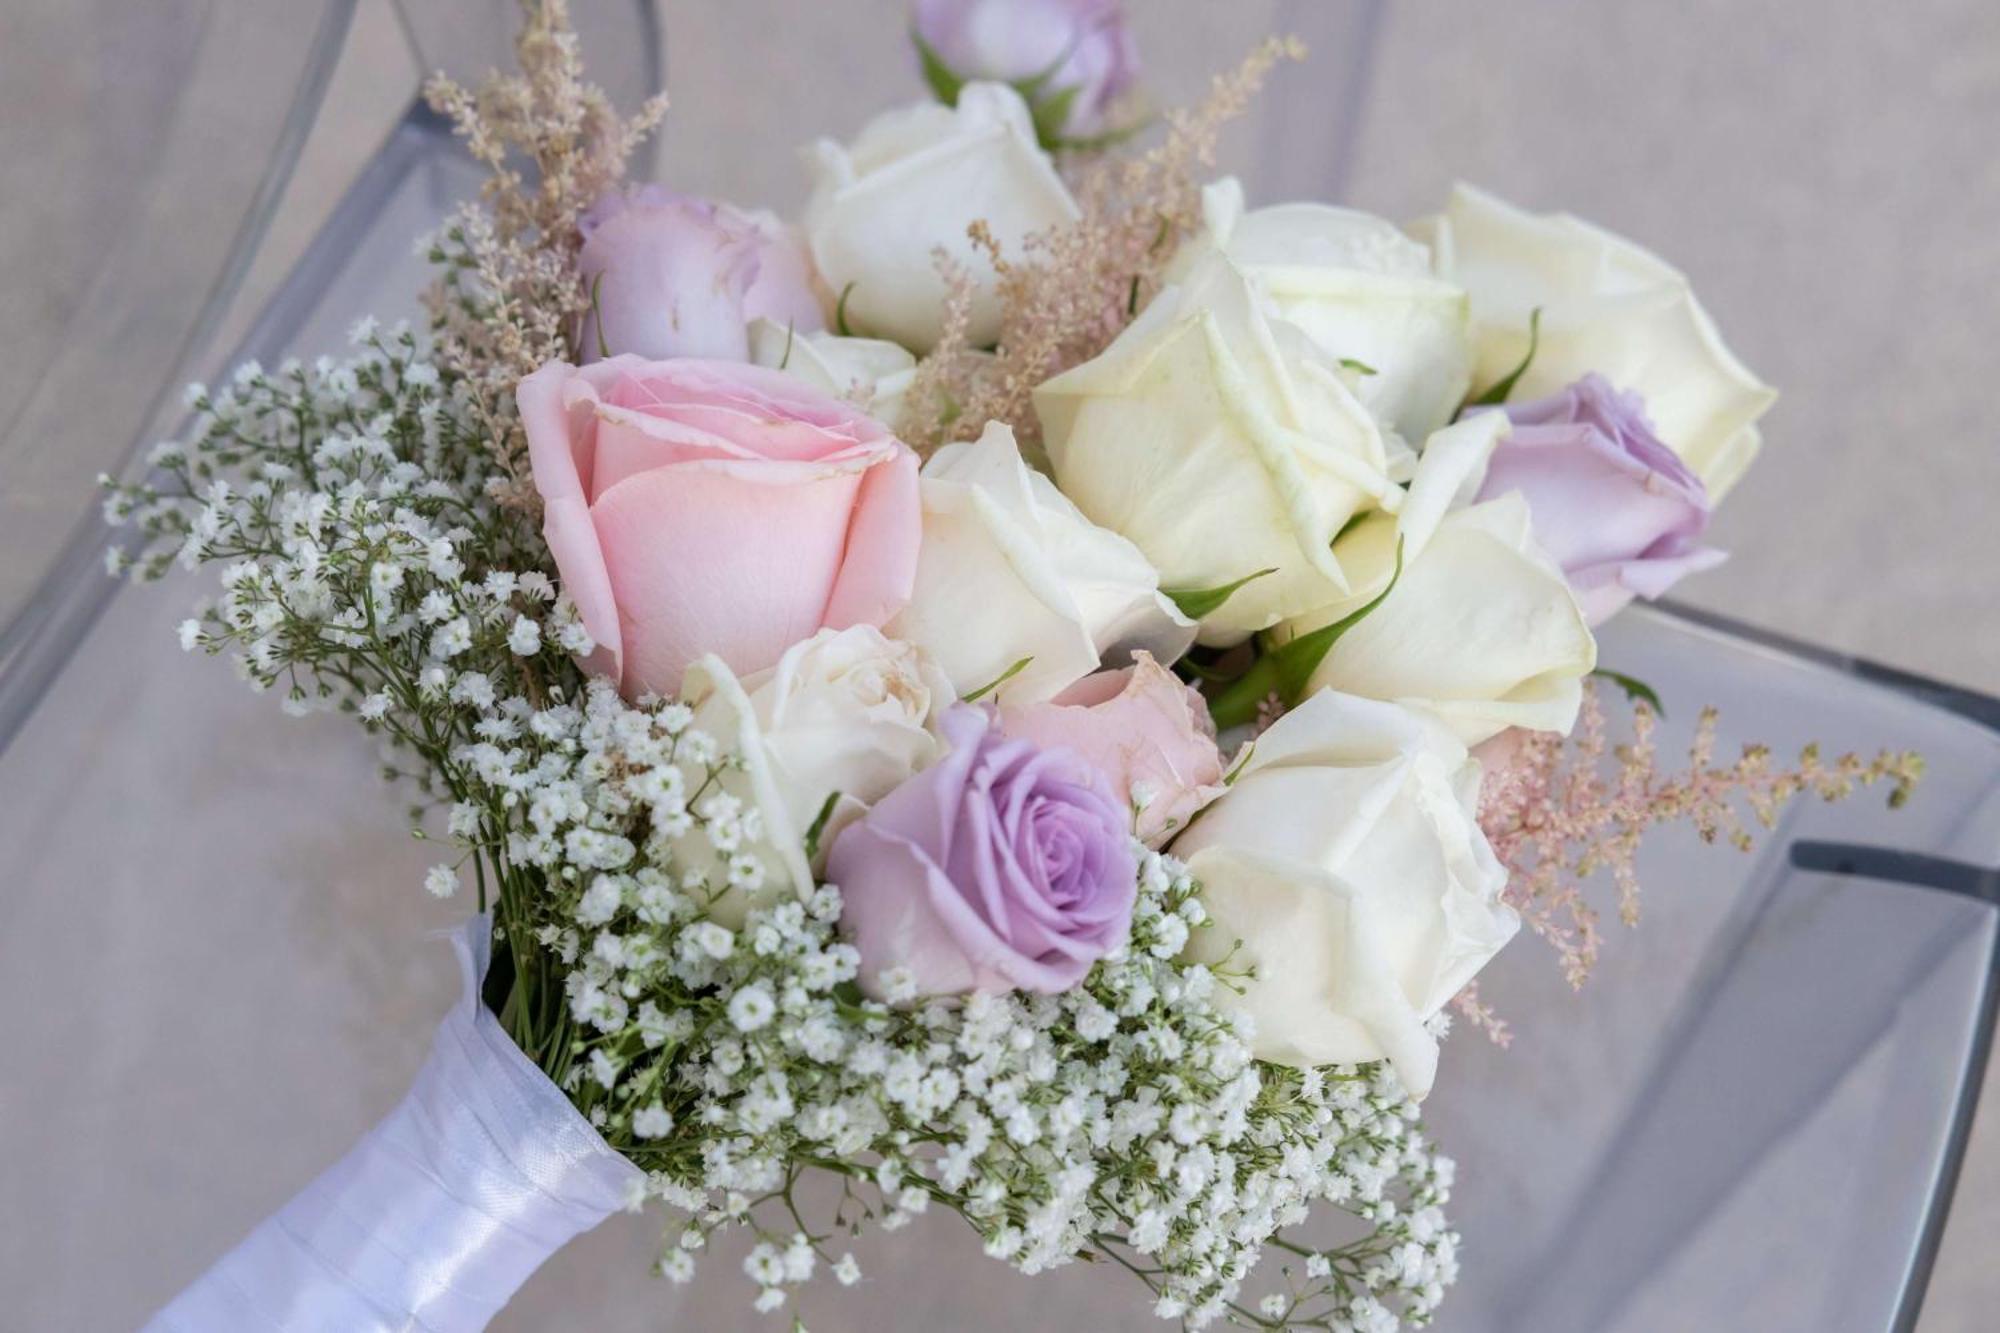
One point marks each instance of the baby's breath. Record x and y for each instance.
(365, 565)
(373, 531)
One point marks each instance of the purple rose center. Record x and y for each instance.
(1044, 847)
(1003, 866)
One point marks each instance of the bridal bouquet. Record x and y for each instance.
(1028, 692)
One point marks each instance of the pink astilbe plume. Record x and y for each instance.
(1474, 1010)
(1076, 287)
(1564, 809)
(509, 298)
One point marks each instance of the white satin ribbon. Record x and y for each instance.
(439, 1214)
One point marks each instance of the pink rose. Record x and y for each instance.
(707, 507)
(678, 276)
(1144, 730)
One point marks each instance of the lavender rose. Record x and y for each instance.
(1080, 45)
(676, 276)
(1618, 509)
(1003, 866)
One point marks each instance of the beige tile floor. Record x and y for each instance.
(1824, 172)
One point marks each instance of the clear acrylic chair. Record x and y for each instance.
(1752, 1118)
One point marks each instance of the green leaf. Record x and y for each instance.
(1351, 524)
(1202, 671)
(998, 681)
(819, 824)
(1242, 762)
(597, 315)
(1285, 672)
(1194, 603)
(1498, 393)
(1358, 367)
(840, 312)
(944, 83)
(1051, 113)
(1638, 691)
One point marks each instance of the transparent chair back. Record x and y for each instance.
(154, 178)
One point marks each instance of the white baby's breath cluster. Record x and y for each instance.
(366, 565)
(1125, 1118)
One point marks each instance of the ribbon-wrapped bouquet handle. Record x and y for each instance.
(442, 1210)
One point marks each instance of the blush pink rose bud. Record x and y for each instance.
(1002, 866)
(675, 276)
(1082, 45)
(708, 507)
(1615, 507)
(1145, 730)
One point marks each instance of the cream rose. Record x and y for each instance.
(1607, 306)
(1482, 629)
(1008, 569)
(871, 373)
(1347, 862)
(1360, 288)
(1221, 442)
(910, 184)
(845, 716)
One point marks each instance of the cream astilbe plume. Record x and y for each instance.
(1076, 287)
(509, 298)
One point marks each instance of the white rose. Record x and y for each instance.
(911, 183)
(872, 372)
(1222, 442)
(1347, 860)
(1609, 306)
(1360, 288)
(845, 716)
(1008, 569)
(1481, 630)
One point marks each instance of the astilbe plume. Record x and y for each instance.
(1075, 287)
(508, 297)
(1562, 810)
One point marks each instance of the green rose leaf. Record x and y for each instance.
(840, 312)
(818, 828)
(1635, 689)
(1194, 603)
(998, 681)
(1286, 671)
(944, 83)
(1496, 395)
